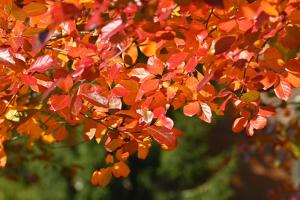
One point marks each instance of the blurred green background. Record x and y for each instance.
(203, 166)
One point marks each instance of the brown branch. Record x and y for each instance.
(8, 104)
(57, 49)
(208, 18)
(111, 128)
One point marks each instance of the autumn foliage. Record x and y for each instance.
(118, 67)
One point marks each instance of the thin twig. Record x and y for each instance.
(209, 16)
(8, 104)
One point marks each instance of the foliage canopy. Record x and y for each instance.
(117, 67)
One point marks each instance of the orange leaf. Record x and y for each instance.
(163, 136)
(31, 81)
(3, 158)
(155, 66)
(191, 109)
(283, 90)
(294, 79)
(120, 169)
(149, 85)
(59, 102)
(191, 64)
(114, 144)
(131, 55)
(258, 122)
(42, 63)
(239, 124)
(102, 177)
(109, 159)
(176, 59)
(35, 8)
(100, 132)
(148, 48)
(66, 84)
(268, 8)
(143, 151)
(269, 79)
(227, 26)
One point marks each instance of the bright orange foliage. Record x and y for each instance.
(118, 67)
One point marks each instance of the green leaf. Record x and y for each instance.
(250, 96)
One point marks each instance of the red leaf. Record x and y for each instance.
(223, 44)
(177, 132)
(204, 81)
(176, 59)
(140, 73)
(114, 71)
(293, 66)
(79, 52)
(266, 111)
(283, 90)
(59, 102)
(92, 94)
(6, 57)
(163, 136)
(224, 104)
(147, 86)
(191, 109)
(112, 28)
(77, 106)
(206, 113)
(228, 25)
(66, 84)
(191, 64)
(269, 79)
(41, 64)
(258, 122)
(165, 121)
(60, 134)
(250, 130)
(30, 81)
(239, 124)
(245, 24)
(155, 66)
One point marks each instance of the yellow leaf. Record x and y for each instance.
(130, 55)
(148, 48)
(13, 115)
(48, 139)
(63, 57)
(268, 8)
